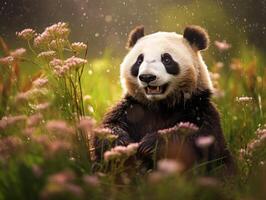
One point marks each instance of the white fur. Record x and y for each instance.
(152, 47)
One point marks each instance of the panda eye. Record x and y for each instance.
(166, 59)
(140, 59)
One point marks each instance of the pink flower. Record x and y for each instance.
(62, 177)
(42, 106)
(86, 124)
(168, 166)
(91, 180)
(187, 127)
(75, 62)
(111, 155)
(222, 46)
(26, 34)
(11, 120)
(244, 99)
(78, 46)
(18, 53)
(34, 120)
(47, 55)
(205, 141)
(40, 82)
(8, 146)
(132, 148)
(59, 126)
(7, 60)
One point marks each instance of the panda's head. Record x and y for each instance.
(165, 65)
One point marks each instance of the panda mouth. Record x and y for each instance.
(155, 90)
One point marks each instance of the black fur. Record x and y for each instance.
(135, 67)
(197, 37)
(134, 36)
(170, 65)
(134, 121)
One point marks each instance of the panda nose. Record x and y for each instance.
(147, 77)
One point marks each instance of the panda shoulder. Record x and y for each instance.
(118, 112)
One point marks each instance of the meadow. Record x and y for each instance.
(53, 98)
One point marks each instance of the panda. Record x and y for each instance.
(165, 82)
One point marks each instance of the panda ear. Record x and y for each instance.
(197, 37)
(134, 36)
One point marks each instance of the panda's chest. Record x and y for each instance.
(142, 120)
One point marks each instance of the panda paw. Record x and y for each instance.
(148, 144)
(122, 141)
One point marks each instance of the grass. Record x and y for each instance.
(45, 148)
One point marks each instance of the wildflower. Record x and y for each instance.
(29, 131)
(103, 133)
(47, 55)
(33, 92)
(205, 141)
(42, 106)
(54, 32)
(78, 47)
(132, 148)
(42, 39)
(91, 180)
(7, 60)
(244, 99)
(26, 34)
(75, 62)
(168, 166)
(56, 62)
(11, 120)
(214, 76)
(86, 124)
(219, 65)
(57, 44)
(222, 46)
(61, 183)
(86, 97)
(236, 65)
(187, 128)
(59, 30)
(242, 153)
(121, 151)
(58, 146)
(34, 120)
(110, 155)
(59, 67)
(17, 53)
(41, 139)
(8, 146)
(59, 126)
(40, 82)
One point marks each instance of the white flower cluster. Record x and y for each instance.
(52, 33)
(78, 47)
(26, 34)
(121, 151)
(47, 55)
(61, 67)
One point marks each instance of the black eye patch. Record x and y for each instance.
(135, 67)
(170, 65)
